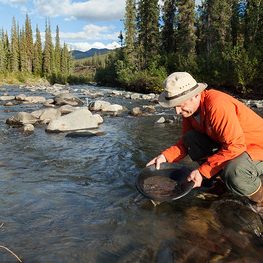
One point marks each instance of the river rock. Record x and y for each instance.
(112, 108)
(80, 119)
(160, 121)
(98, 118)
(35, 99)
(236, 214)
(135, 96)
(149, 109)
(85, 134)
(65, 109)
(46, 115)
(98, 105)
(136, 111)
(7, 97)
(22, 118)
(28, 128)
(9, 103)
(67, 99)
(30, 99)
(20, 97)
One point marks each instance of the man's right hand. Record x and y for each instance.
(157, 161)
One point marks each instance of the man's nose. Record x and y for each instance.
(178, 110)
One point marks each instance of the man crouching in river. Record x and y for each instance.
(219, 132)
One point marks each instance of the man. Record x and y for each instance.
(219, 132)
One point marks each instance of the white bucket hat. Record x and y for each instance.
(179, 87)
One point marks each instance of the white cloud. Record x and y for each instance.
(84, 46)
(92, 32)
(90, 10)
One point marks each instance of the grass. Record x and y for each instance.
(18, 78)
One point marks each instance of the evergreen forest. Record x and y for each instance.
(23, 58)
(219, 42)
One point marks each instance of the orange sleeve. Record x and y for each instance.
(178, 151)
(225, 126)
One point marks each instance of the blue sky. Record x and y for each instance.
(83, 24)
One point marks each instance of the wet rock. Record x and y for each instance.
(98, 118)
(65, 109)
(67, 99)
(98, 105)
(113, 108)
(28, 128)
(7, 97)
(80, 119)
(21, 118)
(20, 97)
(149, 109)
(85, 134)
(136, 111)
(46, 115)
(160, 121)
(9, 103)
(135, 96)
(34, 99)
(233, 213)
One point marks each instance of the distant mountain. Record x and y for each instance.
(77, 54)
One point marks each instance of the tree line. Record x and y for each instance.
(22, 53)
(219, 42)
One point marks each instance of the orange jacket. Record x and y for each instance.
(227, 121)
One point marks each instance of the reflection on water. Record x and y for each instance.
(73, 200)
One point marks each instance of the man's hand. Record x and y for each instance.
(157, 161)
(196, 177)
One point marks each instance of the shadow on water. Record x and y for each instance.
(69, 200)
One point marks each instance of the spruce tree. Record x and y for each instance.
(2, 53)
(254, 34)
(57, 52)
(186, 37)
(65, 61)
(48, 52)
(37, 62)
(23, 51)
(29, 44)
(168, 37)
(7, 52)
(215, 39)
(148, 32)
(254, 23)
(14, 52)
(130, 31)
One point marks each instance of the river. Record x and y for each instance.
(74, 200)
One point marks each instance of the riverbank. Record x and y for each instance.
(27, 79)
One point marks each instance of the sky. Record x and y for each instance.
(83, 24)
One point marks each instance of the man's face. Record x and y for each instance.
(188, 107)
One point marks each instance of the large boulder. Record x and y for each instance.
(67, 99)
(7, 97)
(115, 108)
(98, 105)
(30, 99)
(46, 115)
(22, 118)
(80, 119)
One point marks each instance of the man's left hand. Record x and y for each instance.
(196, 177)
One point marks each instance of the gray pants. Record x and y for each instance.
(241, 174)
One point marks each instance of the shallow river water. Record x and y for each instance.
(74, 200)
